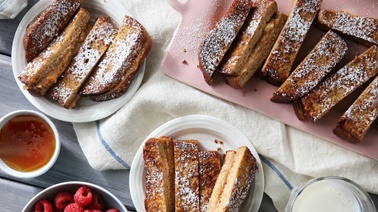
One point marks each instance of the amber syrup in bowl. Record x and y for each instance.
(29, 144)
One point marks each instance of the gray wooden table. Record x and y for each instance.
(71, 164)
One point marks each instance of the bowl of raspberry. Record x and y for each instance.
(75, 196)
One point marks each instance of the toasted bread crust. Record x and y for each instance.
(356, 121)
(363, 29)
(278, 65)
(219, 39)
(47, 26)
(317, 64)
(40, 74)
(260, 52)
(65, 91)
(340, 84)
(237, 55)
(158, 162)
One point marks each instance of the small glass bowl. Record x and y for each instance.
(9, 9)
(330, 194)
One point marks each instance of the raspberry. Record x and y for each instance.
(112, 210)
(73, 207)
(90, 210)
(97, 202)
(83, 196)
(62, 199)
(43, 206)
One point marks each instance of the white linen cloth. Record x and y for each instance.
(290, 157)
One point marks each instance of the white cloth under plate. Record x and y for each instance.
(290, 157)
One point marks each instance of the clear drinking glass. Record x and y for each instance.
(330, 194)
(10, 8)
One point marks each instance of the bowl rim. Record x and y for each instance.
(47, 166)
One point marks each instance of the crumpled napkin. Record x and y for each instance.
(289, 156)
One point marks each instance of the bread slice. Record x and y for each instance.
(356, 121)
(279, 63)
(40, 74)
(65, 91)
(333, 89)
(186, 175)
(47, 25)
(123, 55)
(209, 168)
(260, 52)
(159, 165)
(250, 33)
(219, 39)
(234, 181)
(363, 29)
(317, 64)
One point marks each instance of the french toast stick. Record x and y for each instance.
(219, 39)
(279, 63)
(47, 25)
(186, 175)
(66, 90)
(362, 29)
(122, 55)
(159, 165)
(237, 55)
(44, 70)
(356, 121)
(209, 168)
(336, 87)
(317, 64)
(260, 52)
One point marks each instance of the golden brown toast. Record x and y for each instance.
(317, 64)
(356, 121)
(237, 55)
(363, 29)
(40, 74)
(123, 55)
(65, 91)
(336, 87)
(186, 175)
(235, 182)
(47, 26)
(279, 63)
(260, 52)
(158, 162)
(209, 168)
(219, 39)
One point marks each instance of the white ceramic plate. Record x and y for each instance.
(86, 110)
(205, 129)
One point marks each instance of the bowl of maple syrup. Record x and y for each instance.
(29, 144)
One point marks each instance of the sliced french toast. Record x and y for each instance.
(209, 168)
(279, 63)
(44, 70)
(237, 55)
(66, 90)
(362, 29)
(159, 166)
(123, 55)
(317, 64)
(336, 87)
(356, 121)
(47, 25)
(260, 52)
(219, 39)
(186, 175)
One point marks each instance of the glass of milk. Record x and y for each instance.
(333, 194)
(10, 8)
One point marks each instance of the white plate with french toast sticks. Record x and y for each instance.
(310, 64)
(184, 155)
(79, 60)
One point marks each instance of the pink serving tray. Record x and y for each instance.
(181, 60)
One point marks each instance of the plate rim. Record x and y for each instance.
(180, 124)
(52, 108)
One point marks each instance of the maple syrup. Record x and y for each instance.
(27, 143)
